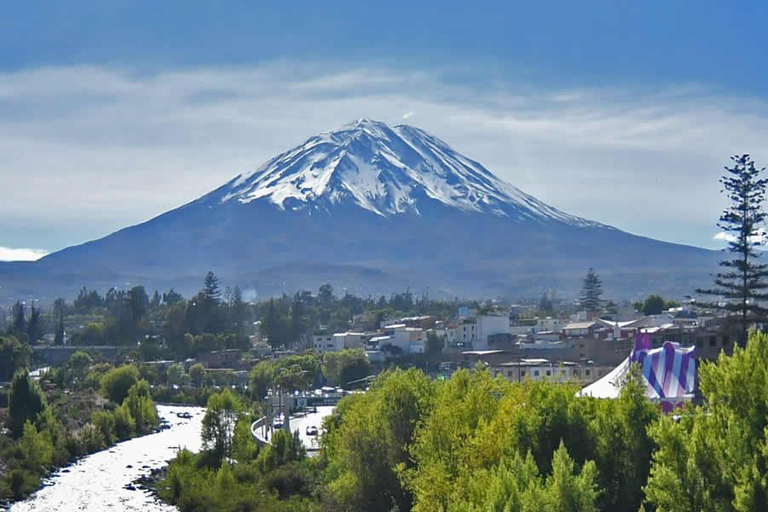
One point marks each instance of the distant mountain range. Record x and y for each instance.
(372, 209)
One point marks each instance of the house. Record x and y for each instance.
(424, 322)
(325, 343)
(549, 324)
(546, 370)
(488, 325)
(410, 340)
(580, 329)
(338, 341)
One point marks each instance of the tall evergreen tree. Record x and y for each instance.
(138, 304)
(591, 293)
(743, 282)
(154, 303)
(211, 288)
(25, 402)
(237, 310)
(297, 319)
(172, 297)
(273, 325)
(19, 319)
(58, 309)
(34, 325)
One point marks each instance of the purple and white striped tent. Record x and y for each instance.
(669, 373)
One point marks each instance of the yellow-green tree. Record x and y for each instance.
(716, 457)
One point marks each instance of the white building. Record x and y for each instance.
(410, 340)
(549, 324)
(324, 343)
(488, 325)
(337, 342)
(464, 333)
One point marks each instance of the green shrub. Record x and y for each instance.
(124, 423)
(116, 383)
(105, 422)
(22, 483)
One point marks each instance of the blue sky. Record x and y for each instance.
(623, 112)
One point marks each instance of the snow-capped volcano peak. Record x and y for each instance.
(386, 170)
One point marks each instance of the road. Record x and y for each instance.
(312, 419)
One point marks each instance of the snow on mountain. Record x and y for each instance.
(388, 171)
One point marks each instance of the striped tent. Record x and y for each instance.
(669, 373)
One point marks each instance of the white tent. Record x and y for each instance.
(610, 385)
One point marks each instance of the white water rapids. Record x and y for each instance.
(97, 482)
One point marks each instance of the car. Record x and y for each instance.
(184, 415)
(311, 430)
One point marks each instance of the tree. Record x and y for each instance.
(273, 325)
(369, 439)
(283, 449)
(105, 423)
(117, 382)
(434, 344)
(36, 447)
(237, 311)
(19, 320)
(197, 374)
(78, 364)
(211, 311)
(244, 448)
(211, 288)
(219, 422)
(545, 304)
(14, 355)
(341, 368)
(34, 325)
(172, 297)
(714, 457)
(591, 293)
(25, 403)
(742, 283)
(87, 301)
(176, 374)
(297, 320)
(141, 407)
(154, 302)
(59, 305)
(325, 295)
(138, 305)
(653, 305)
(261, 379)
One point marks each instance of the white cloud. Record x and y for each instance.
(17, 254)
(88, 150)
(724, 237)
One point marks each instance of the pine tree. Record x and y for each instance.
(34, 327)
(591, 293)
(237, 311)
(742, 283)
(58, 308)
(211, 288)
(154, 303)
(19, 320)
(297, 319)
(25, 402)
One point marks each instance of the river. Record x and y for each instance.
(97, 483)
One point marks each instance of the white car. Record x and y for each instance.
(311, 430)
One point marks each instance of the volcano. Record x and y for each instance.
(371, 209)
